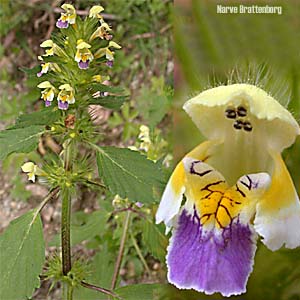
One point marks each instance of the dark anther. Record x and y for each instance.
(242, 111)
(247, 126)
(230, 113)
(238, 124)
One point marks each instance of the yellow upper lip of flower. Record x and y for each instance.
(95, 10)
(82, 45)
(45, 85)
(69, 8)
(66, 87)
(211, 104)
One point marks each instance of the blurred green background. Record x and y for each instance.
(213, 49)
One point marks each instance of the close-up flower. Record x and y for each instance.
(45, 68)
(67, 17)
(95, 12)
(108, 53)
(31, 169)
(65, 96)
(48, 92)
(83, 55)
(237, 187)
(53, 48)
(102, 32)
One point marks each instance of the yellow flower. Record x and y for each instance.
(65, 96)
(53, 48)
(95, 11)
(236, 187)
(32, 170)
(47, 93)
(83, 55)
(102, 32)
(109, 54)
(68, 17)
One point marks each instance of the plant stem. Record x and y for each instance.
(138, 250)
(99, 289)
(121, 251)
(50, 195)
(67, 291)
(65, 224)
(65, 231)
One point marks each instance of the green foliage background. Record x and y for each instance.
(211, 49)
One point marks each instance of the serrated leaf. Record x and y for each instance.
(155, 240)
(128, 173)
(22, 255)
(111, 102)
(45, 116)
(102, 268)
(95, 223)
(19, 140)
(139, 291)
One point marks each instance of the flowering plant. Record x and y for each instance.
(73, 79)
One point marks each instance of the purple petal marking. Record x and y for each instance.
(83, 65)
(63, 105)
(47, 103)
(211, 262)
(110, 63)
(39, 74)
(61, 24)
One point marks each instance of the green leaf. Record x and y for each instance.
(112, 102)
(128, 173)
(93, 225)
(45, 116)
(95, 87)
(102, 268)
(155, 240)
(22, 254)
(31, 71)
(19, 140)
(139, 291)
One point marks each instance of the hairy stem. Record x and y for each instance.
(121, 251)
(65, 223)
(65, 231)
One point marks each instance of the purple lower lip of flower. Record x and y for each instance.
(62, 24)
(83, 65)
(39, 74)
(47, 103)
(63, 105)
(110, 63)
(208, 261)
